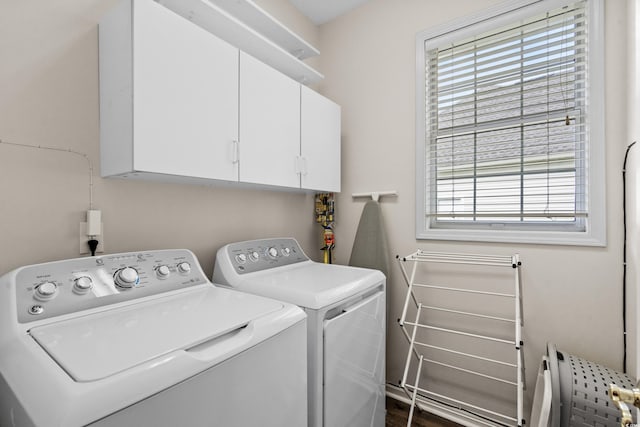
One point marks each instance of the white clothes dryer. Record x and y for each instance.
(145, 339)
(346, 324)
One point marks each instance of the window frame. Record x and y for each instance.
(493, 18)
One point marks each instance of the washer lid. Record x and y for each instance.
(99, 345)
(311, 284)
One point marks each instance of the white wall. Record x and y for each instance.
(633, 184)
(49, 96)
(572, 295)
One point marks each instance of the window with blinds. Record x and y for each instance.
(506, 125)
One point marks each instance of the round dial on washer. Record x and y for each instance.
(254, 256)
(46, 290)
(126, 277)
(286, 251)
(272, 252)
(162, 271)
(241, 258)
(36, 309)
(82, 285)
(184, 267)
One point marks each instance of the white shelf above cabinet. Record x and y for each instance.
(261, 21)
(224, 25)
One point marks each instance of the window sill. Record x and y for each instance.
(512, 236)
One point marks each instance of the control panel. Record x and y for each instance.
(257, 255)
(62, 287)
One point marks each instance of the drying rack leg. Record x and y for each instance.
(415, 393)
(410, 295)
(411, 348)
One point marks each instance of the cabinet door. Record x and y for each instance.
(185, 86)
(320, 142)
(354, 363)
(269, 125)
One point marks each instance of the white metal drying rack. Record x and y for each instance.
(445, 405)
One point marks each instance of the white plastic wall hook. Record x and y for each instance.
(375, 195)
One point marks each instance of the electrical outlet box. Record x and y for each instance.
(84, 238)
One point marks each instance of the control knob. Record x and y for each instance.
(82, 285)
(286, 251)
(272, 252)
(184, 267)
(126, 277)
(46, 291)
(241, 258)
(162, 272)
(254, 256)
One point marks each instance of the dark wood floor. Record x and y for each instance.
(398, 414)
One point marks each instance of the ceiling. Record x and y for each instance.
(324, 11)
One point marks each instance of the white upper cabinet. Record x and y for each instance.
(177, 103)
(269, 125)
(289, 134)
(168, 95)
(319, 142)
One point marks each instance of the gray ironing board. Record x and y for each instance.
(370, 248)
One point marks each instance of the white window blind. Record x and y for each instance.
(507, 126)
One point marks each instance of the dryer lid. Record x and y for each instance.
(102, 344)
(311, 285)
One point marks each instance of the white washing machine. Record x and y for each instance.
(145, 339)
(346, 324)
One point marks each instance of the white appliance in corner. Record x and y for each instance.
(346, 324)
(144, 339)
